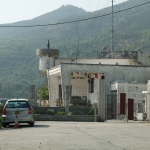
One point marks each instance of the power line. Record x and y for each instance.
(76, 29)
(67, 22)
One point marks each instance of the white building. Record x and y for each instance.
(130, 93)
(90, 78)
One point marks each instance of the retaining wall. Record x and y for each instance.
(81, 118)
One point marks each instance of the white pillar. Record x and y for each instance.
(67, 100)
(48, 79)
(101, 100)
(148, 100)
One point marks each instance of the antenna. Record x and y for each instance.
(48, 45)
(105, 47)
(112, 29)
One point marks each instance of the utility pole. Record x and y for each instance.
(112, 28)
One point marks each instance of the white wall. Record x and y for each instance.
(148, 100)
(97, 61)
(134, 90)
(113, 73)
(79, 87)
(94, 96)
(54, 88)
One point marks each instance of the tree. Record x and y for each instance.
(43, 93)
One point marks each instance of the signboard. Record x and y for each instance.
(32, 88)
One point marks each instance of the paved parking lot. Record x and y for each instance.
(48, 135)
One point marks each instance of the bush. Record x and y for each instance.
(1, 107)
(78, 112)
(90, 112)
(0, 121)
(37, 112)
(60, 113)
(51, 111)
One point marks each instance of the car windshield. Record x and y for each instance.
(17, 104)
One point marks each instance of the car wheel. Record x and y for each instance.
(5, 125)
(31, 124)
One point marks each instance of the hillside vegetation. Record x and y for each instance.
(18, 60)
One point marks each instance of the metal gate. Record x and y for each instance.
(111, 106)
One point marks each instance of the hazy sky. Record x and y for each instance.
(17, 10)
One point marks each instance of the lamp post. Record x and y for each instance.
(32, 90)
(0, 85)
(126, 103)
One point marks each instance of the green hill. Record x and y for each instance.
(19, 63)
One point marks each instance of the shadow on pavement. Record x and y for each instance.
(11, 126)
(41, 126)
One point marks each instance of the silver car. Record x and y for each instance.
(22, 108)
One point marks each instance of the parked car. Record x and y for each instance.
(22, 108)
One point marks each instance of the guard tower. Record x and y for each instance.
(47, 57)
(47, 60)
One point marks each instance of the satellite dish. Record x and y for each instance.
(105, 47)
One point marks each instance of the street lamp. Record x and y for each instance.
(126, 104)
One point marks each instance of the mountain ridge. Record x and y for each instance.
(18, 60)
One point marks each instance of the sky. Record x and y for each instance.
(18, 10)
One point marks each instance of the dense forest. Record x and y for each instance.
(19, 63)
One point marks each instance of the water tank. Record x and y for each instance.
(47, 58)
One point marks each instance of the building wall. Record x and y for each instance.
(97, 61)
(94, 96)
(148, 100)
(112, 73)
(134, 92)
(80, 87)
(54, 88)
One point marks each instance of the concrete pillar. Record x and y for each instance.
(67, 100)
(49, 87)
(101, 99)
(148, 100)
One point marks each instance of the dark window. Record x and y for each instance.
(91, 85)
(17, 104)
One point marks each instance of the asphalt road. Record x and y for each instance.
(48, 135)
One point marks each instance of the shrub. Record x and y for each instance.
(78, 112)
(91, 112)
(60, 113)
(51, 111)
(37, 112)
(0, 121)
(70, 113)
(1, 107)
